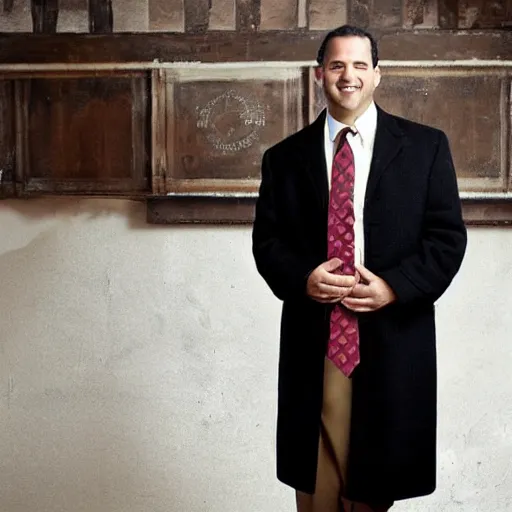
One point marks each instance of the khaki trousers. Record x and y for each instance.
(333, 450)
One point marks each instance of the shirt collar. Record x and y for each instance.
(365, 125)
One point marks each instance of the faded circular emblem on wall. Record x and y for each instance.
(232, 122)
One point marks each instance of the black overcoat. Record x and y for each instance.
(415, 240)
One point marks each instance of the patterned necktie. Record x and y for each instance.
(343, 347)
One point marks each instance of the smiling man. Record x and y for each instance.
(358, 230)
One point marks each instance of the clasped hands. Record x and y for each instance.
(361, 293)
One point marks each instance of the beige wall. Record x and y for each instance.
(138, 368)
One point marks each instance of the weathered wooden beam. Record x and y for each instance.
(8, 5)
(101, 19)
(232, 47)
(45, 14)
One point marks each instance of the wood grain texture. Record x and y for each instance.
(478, 14)
(326, 14)
(421, 14)
(80, 134)
(167, 15)
(44, 16)
(217, 129)
(448, 13)
(200, 210)
(247, 15)
(223, 15)
(101, 19)
(382, 14)
(469, 105)
(233, 47)
(197, 16)
(7, 138)
(282, 15)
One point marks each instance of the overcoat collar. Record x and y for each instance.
(389, 140)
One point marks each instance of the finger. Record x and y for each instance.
(366, 274)
(366, 302)
(362, 290)
(332, 265)
(343, 281)
(327, 290)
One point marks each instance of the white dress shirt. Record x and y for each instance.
(361, 144)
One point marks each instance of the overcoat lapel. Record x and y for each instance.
(389, 141)
(314, 157)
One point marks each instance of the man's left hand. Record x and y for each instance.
(370, 294)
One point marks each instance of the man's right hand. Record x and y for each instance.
(326, 287)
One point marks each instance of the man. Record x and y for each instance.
(359, 232)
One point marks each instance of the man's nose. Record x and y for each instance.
(348, 73)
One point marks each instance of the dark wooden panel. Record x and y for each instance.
(100, 16)
(484, 14)
(448, 13)
(247, 15)
(7, 138)
(197, 15)
(279, 15)
(230, 46)
(220, 124)
(200, 210)
(487, 212)
(326, 14)
(45, 15)
(382, 14)
(232, 210)
(421, 14)
(470, 106)
(86, 134)
(7, 6)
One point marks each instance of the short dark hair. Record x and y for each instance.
(346, 31)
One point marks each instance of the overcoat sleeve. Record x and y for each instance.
(426, 274)
(285, 271)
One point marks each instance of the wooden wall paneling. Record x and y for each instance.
(7, 5)
(237, 47)
(45, 15)
(100, 16)
(282, 15)
(200, 209)
(21, 98)
(168, 15)
(448, 13)
(133, 15)
(478, 14)
(382, 14)
(7, 138)
(421, 14)
(73, 16)
(470, 105)
(160, 131)
(326, 14)
(220, 121)
(15, 16)
(86, 134)
(222, 15)
(247, 15)
(197, 14)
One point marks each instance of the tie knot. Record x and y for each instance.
(341, 136)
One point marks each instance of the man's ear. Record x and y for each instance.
(378, 76)
(319, 73)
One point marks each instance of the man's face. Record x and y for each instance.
(348, 77)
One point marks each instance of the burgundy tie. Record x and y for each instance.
(343, 348)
